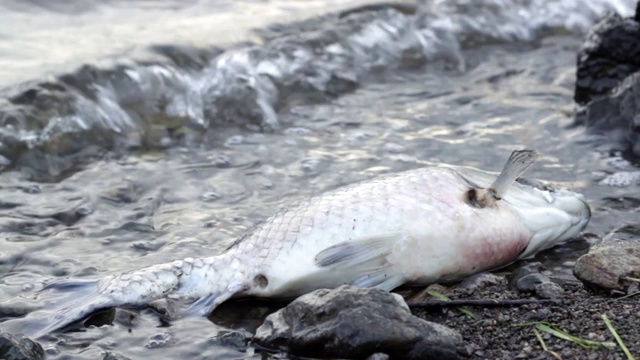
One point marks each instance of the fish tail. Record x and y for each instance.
(196, 282)
(60, 310)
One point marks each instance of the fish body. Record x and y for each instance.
(417, 227)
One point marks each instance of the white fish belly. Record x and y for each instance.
(433, 234)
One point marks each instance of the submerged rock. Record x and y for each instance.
(351, 322)
(19, 347)
(609, 265)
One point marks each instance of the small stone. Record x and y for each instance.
(480, 281)
(608, 265)
(538, 315)
(529, 282)
(521, 272)
(549, 290)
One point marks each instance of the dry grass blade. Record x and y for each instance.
(624, 348)
(544, 345)
(626, 296)
(584, 343)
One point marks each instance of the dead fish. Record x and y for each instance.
(417, 227)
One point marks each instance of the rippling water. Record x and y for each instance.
(111, 168)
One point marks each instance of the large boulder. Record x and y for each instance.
(354, 323)
(608, 82)
(609, 265)
(618, 114)
(610, 52)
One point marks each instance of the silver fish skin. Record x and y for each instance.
(415, 227)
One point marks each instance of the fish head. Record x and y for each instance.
(554, 216)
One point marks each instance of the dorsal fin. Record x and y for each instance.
(516, 165)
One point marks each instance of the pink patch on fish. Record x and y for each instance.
(491, 252)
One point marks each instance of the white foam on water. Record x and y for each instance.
(246, 85)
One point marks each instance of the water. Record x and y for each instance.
(116, 167)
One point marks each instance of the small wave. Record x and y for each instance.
(179, 100)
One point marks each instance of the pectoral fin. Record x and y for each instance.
(358, 251)
(365, 259)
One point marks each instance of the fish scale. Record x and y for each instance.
(416, 227)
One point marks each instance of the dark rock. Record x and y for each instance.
(617, 114)
(233, 339)
(530, 282)
(19, 347)
(520, 280)
(529, 278)
(610, 53)
(126, 317)
(608, 82)
(351, 322)
(609, 264)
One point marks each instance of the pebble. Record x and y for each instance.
(549, 290)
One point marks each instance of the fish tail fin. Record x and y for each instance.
(189, 279)
(61, 310)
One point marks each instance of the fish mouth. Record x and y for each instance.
(553, 216)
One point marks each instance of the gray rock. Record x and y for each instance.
(607, 265)
(480, 281)
(19, 347)
(526, 277)
(549, 290)
(351, 322)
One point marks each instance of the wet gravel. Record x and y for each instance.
(508, 332)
